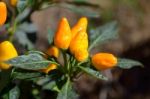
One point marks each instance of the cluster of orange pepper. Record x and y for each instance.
(63, 39)
(75, 39)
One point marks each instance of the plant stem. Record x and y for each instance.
(13, 31)
(65, 61)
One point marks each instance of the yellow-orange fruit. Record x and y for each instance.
(80, 25)
(62, 37)
(13, 2)
(7, 51)
(53, 51)
(49, 68)
(3, 13)
(79, 42)
(102, 61)
(81, 55)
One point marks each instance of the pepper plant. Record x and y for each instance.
(19, 12)
(63, 63)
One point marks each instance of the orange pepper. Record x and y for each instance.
(13, 2)
(62, 37)
(49, 68)
(102, 61)
(81, 55)
(3, 13)
(79, 42)
(7, 51)
(80, 25)
(53, 51)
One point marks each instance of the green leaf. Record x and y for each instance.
(25, 75)
(29, 62)
(49, 86)
(128, 63)
(67, 91)
(48, 83)
(36, 52)
(28, 27)
(23, 39)
(102, 34)
(22, 31)
(93, 73)
(43, 80)
(21, 5)
(12, 94)
(84, 3)
(21, 16)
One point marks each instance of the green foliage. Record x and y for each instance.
(93, 73)
(21, 34)
(51, 85)
(49, 82)
(25, 75)
(30, 62)
(14, 93)
(23, 40)
(23, 15)
(21, 5)
(67, 91)
(103, 34)
(128, 63)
